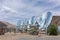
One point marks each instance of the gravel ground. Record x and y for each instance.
(40, 38)
(24, 36)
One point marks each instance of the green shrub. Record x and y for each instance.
(33, 30)
(53, 30)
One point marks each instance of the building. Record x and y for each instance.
(3, 28)
(6, 27)
(56, 21)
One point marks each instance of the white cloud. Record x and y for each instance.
(15, 9)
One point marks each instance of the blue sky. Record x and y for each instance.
(13, 10)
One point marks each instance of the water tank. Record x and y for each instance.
(59, 29)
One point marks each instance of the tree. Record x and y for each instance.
(37, 25)
(53, 30)
(25, 28)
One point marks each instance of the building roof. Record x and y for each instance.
(9, 25)
(56, 20)
(2, 24)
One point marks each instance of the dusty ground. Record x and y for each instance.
(24, 36)
(12, 36)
